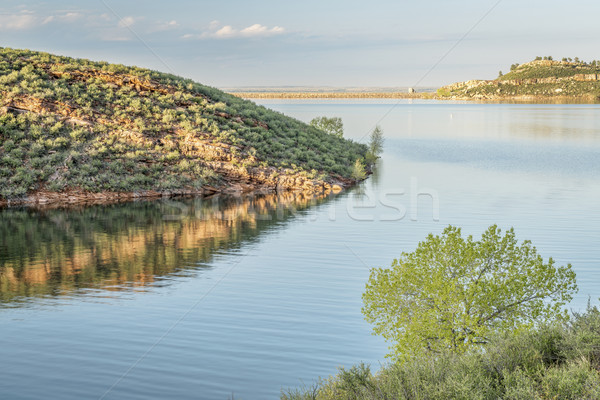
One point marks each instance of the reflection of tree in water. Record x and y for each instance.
(377, 171)
(359, 192)
(123, 246)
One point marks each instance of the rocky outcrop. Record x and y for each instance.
(236, 183)
(566, 82)
(468, 85)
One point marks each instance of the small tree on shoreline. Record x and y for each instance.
(359, 171)
(376, 141)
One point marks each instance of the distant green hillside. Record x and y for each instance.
(77, 125)
(540, 69)
(538, 79)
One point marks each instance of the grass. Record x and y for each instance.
(71, 124)
(550, 362)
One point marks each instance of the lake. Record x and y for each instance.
(240, 297)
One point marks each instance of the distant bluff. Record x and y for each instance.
(535, 80)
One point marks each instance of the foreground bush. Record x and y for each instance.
(559, 361)
(453, 293)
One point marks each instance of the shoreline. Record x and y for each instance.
(49, 200)
(525, 99)
(258, 183)
(333, 95)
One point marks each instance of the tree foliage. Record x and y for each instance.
(375, 145)
(359, 171)
(452, 292)
(334, 126)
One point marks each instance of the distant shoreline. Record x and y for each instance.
(333, 95)
(521, 99)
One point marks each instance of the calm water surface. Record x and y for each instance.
(214, 298)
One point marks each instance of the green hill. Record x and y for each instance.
(538, 79)
(74, 129)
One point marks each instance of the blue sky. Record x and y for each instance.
(327, 42)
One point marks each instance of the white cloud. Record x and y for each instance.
(225, 32)
(218, 31)
(261, 30)
(29, 20)
(126, 22)
(163, 26)
(15, 22)
(116, 37)
(70, 16)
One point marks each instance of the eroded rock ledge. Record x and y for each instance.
(257, 180)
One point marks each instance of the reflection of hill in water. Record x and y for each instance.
(124, 246)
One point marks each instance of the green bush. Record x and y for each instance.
(551, 362)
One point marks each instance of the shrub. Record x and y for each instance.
(537, 364)
(358, 171)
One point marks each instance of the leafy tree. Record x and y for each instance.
(453, 293)
(375, 146)
(358, 171)
(333, 126)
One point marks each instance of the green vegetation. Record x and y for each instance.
(553, 361)
(375, 145)
(334, 126)
(541, 78)
(473, 320)
(444, 92)
(453, 293)
(73, 124)
(359, 170)
(556, 69)
(589, 91)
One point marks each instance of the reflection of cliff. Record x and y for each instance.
(123, 246)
